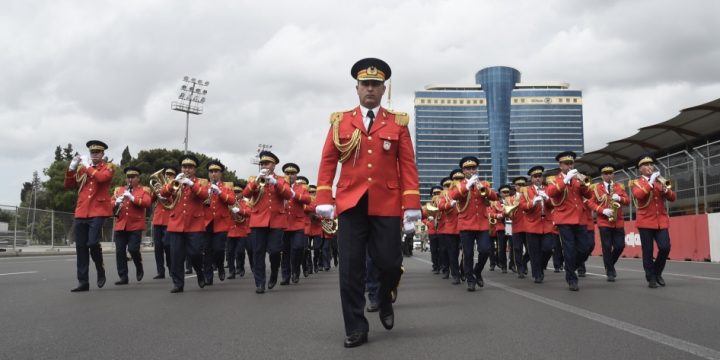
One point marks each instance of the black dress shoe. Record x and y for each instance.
(557, 270)
(456, 281)
(221, 274)
(176, 290)
(101, 279)
(295, 278)
(387, 317)
(285, 282)
(188, 271)
(479, 281)
(232, 275)
(355, 339)
(242, 273)
(652, 284)
(538, 280)
(660, 280)
(373, 307)
(271, 284)
(123, 281)
(581, 273)
(446, 276)
(393, 295)
(156, 277)
(201, 281)
(139, 276)
(504, 270)
(492, 267)
(328, 269)
(574, 287)
(81, 287)
(260, 290)
(470, 286)
(610, 277)
(521, 275)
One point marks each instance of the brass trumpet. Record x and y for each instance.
(586, 180)
(158, 181)
(176, 184)
(664, 181)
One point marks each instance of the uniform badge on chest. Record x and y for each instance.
(386, 145)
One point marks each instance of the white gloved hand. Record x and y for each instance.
(537, 199)
(543, 194)
(162, 197)
(616, 197)
(272, 180)
(128, 195)
(235, 209)
(412, 215)
(570, 175)
(431, 218)
(179, 176)
(408, 227)
(654, 177)
(325, 211)
(472, 181)
(188, 182)
(453, 202)
(293, 193)
(119, 200)
(74, 162)
(607, 212)
(214, 188)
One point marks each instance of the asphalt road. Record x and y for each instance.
(509, 318)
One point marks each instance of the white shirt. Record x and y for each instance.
(366, 119)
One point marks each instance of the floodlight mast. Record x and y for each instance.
(192, 97)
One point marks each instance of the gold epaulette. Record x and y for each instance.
(401, 118)
(593, 186)
(336, 116)
(229, 184)
(116, 190)
(631, 182)
(147, 189)
(550, 180)
(203, 182)
(251, 179)
(622, 186)
(111, 166)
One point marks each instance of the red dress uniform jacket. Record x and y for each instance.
(313, 227)
(448, 223)
(567, 200)
(189, 213)
(132, 215)
(601, 200)
(535, 222)
(472, 208)
(381, 165)
(518, 217)
(295, 208)
(496, 212)
(651, 211)
(587, 216)
(241, 228)
(269, 209)
(430, 226)
(94, 196)
(218, 212)
(161, 215)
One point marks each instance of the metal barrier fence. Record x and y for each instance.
(695, 177)
(21, 226)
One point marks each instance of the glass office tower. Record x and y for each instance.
(508, 125)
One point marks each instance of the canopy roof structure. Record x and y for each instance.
(692, 127)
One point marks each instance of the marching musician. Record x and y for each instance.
(500, 235)
(567, 192)
(376, 193)
(294, 241)
(217, 221)
(538, 224)
(520, 255)
(267, 192)
(313, 231)
(93, 206)
(186, 227)
(650, 192)
(448, 225)
(430, 220)
(238, 241)
(473, 196)
(295, 231)
(161, 216)
(131, 201)
(607, 201)
(589, 239)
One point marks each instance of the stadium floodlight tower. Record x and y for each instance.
(191, 100)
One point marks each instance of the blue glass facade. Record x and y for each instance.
(509, 126)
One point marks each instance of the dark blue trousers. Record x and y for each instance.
(589, 246)
(185, 244)
(613, 244)
(469, 238)
(161, 243)
(573, 242)
(502, 247)
(452, 243)
(266, 240)
(435, 252)
(128, 241)
(244, 246)
(88, 232)
(326, 254)
(662, 238)
(214, 253)
(540, 247)
(557, 252)
(371, 281)
(231, 253)
(519, 248)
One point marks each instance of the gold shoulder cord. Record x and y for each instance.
(467, 199)
(650, 196)
(347, 148)
(254, 199)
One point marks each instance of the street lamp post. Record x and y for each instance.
(191, 100)
(261, 147)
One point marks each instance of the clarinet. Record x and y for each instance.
(118, 207)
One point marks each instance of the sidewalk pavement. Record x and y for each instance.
(44, 250)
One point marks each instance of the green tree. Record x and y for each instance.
(68, 152)
(59, 198)
(126, 157)
(58, 153)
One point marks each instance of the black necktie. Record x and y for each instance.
(371, 115)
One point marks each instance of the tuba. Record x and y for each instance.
(158, 181)
(330, 226)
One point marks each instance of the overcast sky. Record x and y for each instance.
(79, 70)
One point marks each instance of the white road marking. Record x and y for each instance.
(19, 273)
(699, 277)
(673, 342)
